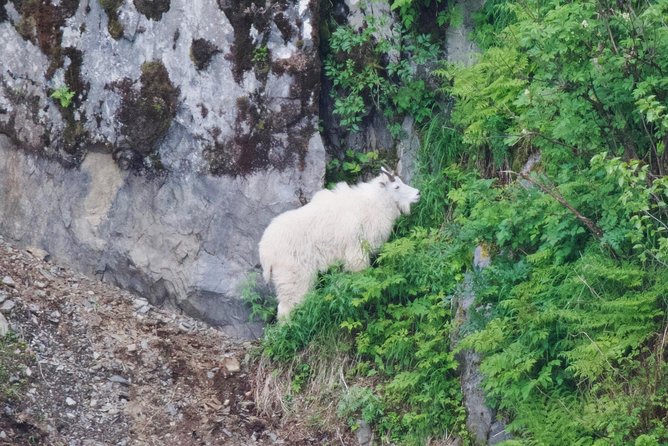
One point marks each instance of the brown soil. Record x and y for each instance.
(103, 367)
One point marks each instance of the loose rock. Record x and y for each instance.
(7, 306)
(54, 316)
(8, 281)
(231, 364)
(4, 326)
(120, 380)
(38, 253)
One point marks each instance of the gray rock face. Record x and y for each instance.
(481, 419)
(460, 48)
(189, 126)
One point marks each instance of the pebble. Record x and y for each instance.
(7, 306)
(4, 326)
(231, 364)
(70, 402)
(144, 309)
(28, 372)
(38, 253)
(39, 284)
(139, 303)
(186, 326)
(120, 380)
(8, 281)
(3, 296)
(54, 316)
(132, 348)
(3, 435)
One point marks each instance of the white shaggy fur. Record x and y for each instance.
(345, 225)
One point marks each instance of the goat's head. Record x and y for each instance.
(402, 194)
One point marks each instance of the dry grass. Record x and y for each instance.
(315, 402)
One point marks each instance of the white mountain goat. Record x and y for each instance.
(345, 225)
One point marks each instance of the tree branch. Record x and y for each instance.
(598, 232)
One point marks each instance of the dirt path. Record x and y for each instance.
(89, 364)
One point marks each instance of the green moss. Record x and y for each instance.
(14, 358)
(152, 9)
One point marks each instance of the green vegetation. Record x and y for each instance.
(262, 308)
(14, 358)
(354, 165)
(63, 95)
(571, 317)
(369, 75)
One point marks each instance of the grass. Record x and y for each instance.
(305, 389)
(14, 358)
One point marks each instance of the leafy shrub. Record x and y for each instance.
(571, 80)
(353, 167)
(575, 319)
(365, 77)
(263, 307)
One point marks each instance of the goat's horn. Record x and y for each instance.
(386, 171)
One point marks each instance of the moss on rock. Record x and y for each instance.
(152, 9)
(266, 134)
(114, 25)
(244, 14)
(41, 23)
(201, 52)
(147, 114)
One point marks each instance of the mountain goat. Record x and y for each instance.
(345, 224)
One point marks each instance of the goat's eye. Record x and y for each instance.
(396, 187)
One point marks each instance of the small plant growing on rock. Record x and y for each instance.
(63, 95)
(353, 166)
(261, 58)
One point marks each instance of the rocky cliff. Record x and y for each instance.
(149, 142)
